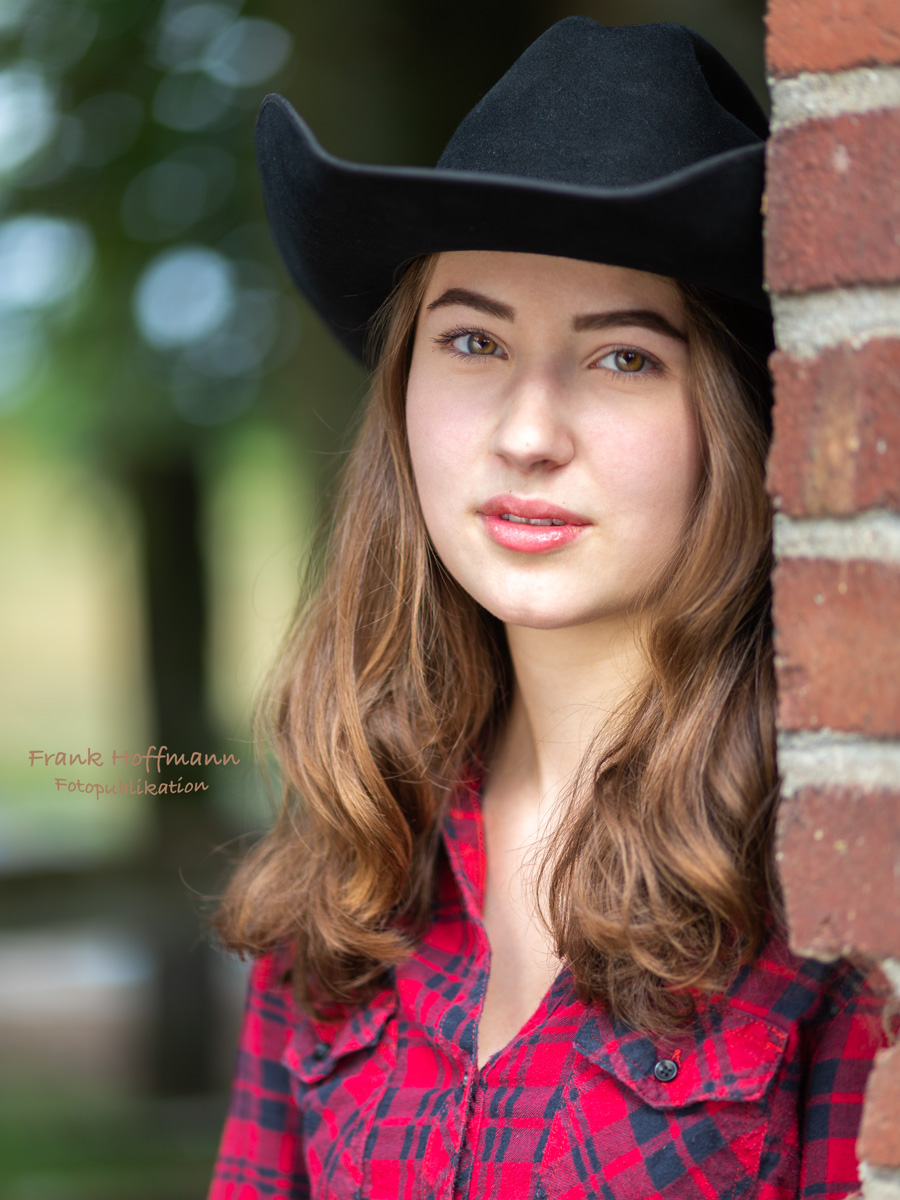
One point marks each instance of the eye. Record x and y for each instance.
(475, 343)
(628, 362)
(470, 343)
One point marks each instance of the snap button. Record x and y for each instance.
(665, 1070)
(321, 1051)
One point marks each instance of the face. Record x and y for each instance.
(552, 435)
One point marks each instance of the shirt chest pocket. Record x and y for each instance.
(339, 1073)
(678, 1119)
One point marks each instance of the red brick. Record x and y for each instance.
(833, 208)
(839, 856)
(879, 1137)
(836, 448)
(829, 35)
(837, 645)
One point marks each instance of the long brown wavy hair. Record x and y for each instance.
(659, 881)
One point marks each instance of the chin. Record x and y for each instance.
(530, 616)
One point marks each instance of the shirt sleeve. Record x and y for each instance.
(260, 1154)
(843, 1044)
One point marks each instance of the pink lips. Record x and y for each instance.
(499, 518)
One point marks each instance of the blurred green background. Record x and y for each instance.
(170, 414)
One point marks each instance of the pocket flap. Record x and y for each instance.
(316, 1045)
(729, 1056)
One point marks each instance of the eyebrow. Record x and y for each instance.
(476, 300)
(647, 318)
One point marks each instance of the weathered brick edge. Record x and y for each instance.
(833, 268)
(830, 35)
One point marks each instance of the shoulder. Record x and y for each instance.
(278, 1029)
(830, 1018)
(259, 1154)
(807, 994)
(270, 1022)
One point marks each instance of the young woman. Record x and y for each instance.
(517, 926)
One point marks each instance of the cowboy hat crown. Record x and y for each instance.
(638, 146)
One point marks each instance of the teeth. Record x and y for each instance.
(530, 520)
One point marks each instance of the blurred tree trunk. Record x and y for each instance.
(168, 495)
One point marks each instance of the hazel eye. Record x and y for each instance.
(629, 362)
(476, 343)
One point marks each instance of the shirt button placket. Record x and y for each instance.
(466, 1184)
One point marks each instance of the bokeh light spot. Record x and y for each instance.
(190, 100)
(59, 34)
(22, 354)
(185, 294)
(27, 114)
(42, 260)
(163, 200)
(13, 14)
(247, 52)
(184, 33)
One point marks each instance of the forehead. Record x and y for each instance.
(545, 281)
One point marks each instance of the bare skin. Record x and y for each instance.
(526, 782)
(540, 384)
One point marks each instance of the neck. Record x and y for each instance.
(568, 685)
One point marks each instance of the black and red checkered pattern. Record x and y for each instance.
(761, 1100)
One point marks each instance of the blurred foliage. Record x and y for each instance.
(131, 238)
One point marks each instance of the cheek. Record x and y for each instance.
(677, 464)
(656, 465)
(442, 431)
(421, 436)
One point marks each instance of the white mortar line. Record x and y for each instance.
(891, 968)
(872, 536)
(879, 1184)
(810, 96)
(805, 325)
(825, 759)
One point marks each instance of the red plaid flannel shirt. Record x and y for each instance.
(760, 1100)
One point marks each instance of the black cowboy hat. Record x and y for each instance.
(638, 146)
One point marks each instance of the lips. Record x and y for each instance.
(530, 509)
(530, 525)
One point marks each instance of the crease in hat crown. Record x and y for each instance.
(613, 127)
(635, 145)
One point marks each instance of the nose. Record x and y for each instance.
(533, 431)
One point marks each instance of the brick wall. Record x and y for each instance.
(833, 267)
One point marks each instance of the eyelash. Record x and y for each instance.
(447, 339)
(653, 365)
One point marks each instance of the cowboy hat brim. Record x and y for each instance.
(345, 229)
